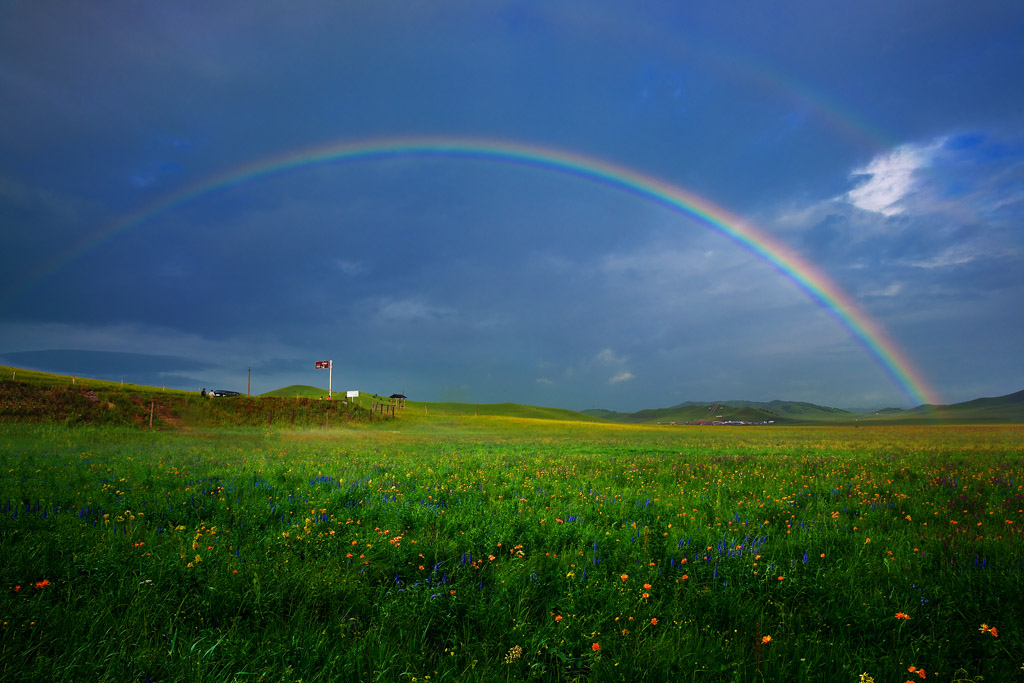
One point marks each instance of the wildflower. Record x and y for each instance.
(866, 678)
(984, 628)
(558, 618)
(624, 577)
(645, 596)
(42, 584)
(514, 653)
(901, 615)
(994, 632)
(766, 639)
(654, 621)
(595, 647)
(647, 586)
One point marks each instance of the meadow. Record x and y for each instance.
(501, 549)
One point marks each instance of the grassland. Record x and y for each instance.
(286, 538)
(494, 548)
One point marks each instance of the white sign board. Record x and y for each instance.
(352, 394)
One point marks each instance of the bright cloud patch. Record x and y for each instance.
(621, 377)
(891, 178)
(609, 357)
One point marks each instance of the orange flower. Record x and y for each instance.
(984, 628)
(624, 577)
(558, 618)
(42, 584)
(901, 615)
(645, 596)
(595, 647)
(654, 621)
(994, 632)
(647, 586)
(766, 639)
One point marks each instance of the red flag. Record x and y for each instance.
(323, 364)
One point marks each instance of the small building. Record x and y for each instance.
(397, 401)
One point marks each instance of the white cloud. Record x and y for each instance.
(893, 289)
(955, 255)
(891, 178)
(410, 310)
(609, 357)
(350, 268)
(621, 377)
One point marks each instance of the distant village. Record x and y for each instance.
(723, 422)
(730, 422)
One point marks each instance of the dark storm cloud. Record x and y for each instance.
(882, 141)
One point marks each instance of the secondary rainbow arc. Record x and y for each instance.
(805, 275)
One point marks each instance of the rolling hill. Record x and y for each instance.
(1007, 409)
(30, 396)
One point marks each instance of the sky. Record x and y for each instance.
(164, 218)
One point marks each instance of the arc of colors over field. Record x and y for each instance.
(819, 287)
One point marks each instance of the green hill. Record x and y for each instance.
(297, 391)
(30, 396)
(1007, 409)
(498, 410)
(689, 413)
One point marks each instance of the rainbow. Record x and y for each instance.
(807, 277)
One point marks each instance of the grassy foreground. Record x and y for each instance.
(484, 549)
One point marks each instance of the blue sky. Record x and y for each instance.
(883, 142)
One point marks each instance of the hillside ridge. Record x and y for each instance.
(1008, 409)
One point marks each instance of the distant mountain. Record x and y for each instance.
(690, 412)
(1007, 409)
(794, 409)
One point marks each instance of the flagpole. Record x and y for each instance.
(330, 376)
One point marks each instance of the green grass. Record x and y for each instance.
(516, 410)
(297, 391)
(413, 548)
